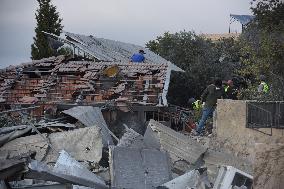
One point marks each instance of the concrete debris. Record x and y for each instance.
(138, 168)
(179, 146)
(24, 145)
(12, 135)
(83, 144)
(46, 186)
(78, 152)
(38, 170)
(55, 124)
(5, 130)
(11, 168)
(192, 179)
(69, 166)
(131, 139)
(92, 116)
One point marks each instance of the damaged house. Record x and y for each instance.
(98, 74)
(97, 120)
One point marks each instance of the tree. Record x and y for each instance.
(201, 59)
(262, 50)
(48, 20)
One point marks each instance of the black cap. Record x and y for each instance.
(142, 52)
(218, 82)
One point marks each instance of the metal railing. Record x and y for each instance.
(265, 115)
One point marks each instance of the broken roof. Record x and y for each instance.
(60, 80)
(106, 49)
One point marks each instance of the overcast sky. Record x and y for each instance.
(134, 21)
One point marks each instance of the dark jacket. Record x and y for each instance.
(232, 93)
(211, 94)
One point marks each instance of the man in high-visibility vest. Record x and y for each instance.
(262, 87)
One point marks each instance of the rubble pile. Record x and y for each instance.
(91, 156)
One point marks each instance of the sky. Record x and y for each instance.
(129, 21)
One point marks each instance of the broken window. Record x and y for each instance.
(241, 180)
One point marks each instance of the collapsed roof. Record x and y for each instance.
(110, 77)
(107, 50)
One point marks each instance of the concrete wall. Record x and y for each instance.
(230, 122)
(231, 133)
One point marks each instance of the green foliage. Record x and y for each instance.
(47, 20)
(263, 47)
(202, 60)
(65, 51)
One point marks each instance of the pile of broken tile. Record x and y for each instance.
(93, 157)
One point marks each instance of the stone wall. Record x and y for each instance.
(230, 124)
(264, 151)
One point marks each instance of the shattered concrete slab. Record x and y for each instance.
(47, 186)
(69, 166)
(13, 135)
(38, 184)
(40, 171)
(91, 116)
(11, 168)
(179, 146)
(24, 145)
(5, 130)
(131, 139)
(138, 168)
(192, 179)
(189, 180)
(83, 144)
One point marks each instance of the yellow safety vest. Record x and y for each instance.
(196, 105)
(226, 88)
(265, 87)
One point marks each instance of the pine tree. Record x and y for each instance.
(48, 20)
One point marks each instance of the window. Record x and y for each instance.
(265, 114)
(241, 180)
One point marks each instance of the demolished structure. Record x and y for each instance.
(106, 123)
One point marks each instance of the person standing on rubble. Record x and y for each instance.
(209, 98)
(138, 57)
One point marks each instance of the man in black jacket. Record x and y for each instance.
(231, 90)
(209, 96)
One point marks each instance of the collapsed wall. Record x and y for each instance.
(261, 146)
